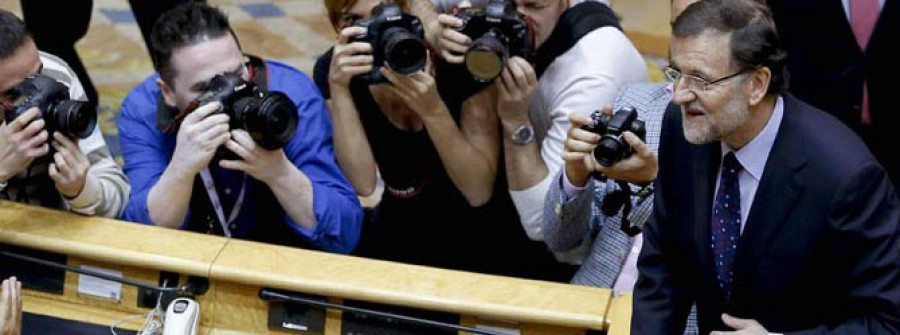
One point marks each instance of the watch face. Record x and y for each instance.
(523, 134)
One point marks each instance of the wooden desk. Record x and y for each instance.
(238, 269)
(619, 315)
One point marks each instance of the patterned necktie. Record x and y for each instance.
(863, 16)
(726, 222)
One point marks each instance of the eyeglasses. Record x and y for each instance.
(695, 83)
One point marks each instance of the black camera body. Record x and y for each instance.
(612, 147)
(498, 32)
(61, 114)
(270, 117)
(397, 39)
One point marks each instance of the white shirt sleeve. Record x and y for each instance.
(582, 80)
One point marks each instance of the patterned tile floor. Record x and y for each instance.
(291, 31)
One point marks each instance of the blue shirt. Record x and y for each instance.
(147, 153)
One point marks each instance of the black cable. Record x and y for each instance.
(267, 294)
(92, 273)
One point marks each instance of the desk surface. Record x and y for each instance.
(619, 315)
(108, 240)
(306, 271)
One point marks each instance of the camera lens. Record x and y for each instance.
(73, 118)
(404, 51)
(608, 151)
(486, 57)
(281, 119)
(270, 120)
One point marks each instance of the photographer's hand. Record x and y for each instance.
(21, 142)
(579, 147)
(452, 43)
(349, 59)
(11, 307)
(291, 187)
(264, 165)
(640, 168)
(516, 86)
(418, 90)
(70, 166)
(202, 132)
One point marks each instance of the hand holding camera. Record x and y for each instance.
(516, 86)
(397, 40)
(41, 108)
(349, 59)
(23, 140)
(611, 143)
(418, 90)
(268, 120)
(70, 166)
(254, 160)
(200, 135)
(451, 42)
(496, 33)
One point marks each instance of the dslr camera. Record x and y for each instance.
(498, 32)
(397, 39)
(612, 148)
(60, 113)
(269, 117)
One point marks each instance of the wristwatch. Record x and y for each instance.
(523, 134)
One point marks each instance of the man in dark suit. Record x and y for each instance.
(770, 214)
(835, 46)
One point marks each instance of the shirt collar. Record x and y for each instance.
(755, 154)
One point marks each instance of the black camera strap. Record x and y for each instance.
(575, 23)
(619, 200)
(259, 72)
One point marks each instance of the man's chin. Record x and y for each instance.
(696, 136)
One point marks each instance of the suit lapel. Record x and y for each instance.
(776, 194)
(706, 166)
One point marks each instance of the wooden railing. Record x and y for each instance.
(237, 270)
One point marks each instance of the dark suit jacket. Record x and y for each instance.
(820, 249)
(827, 68)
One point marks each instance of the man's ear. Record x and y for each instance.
(168, 93)
(760, 79)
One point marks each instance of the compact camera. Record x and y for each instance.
(612, 148)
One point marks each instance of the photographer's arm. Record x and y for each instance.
(304, 176)
(526, 171)
(201, 133)
(468, 151)
(291, 187)
(350, 143)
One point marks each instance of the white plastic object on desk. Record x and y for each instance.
(182, 317)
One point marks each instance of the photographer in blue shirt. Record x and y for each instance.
(193, 163)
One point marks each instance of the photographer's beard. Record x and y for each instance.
(715, 126)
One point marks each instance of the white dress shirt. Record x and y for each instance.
(753, 158)
(583, 79)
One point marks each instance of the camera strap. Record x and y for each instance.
(259, 72)
(575, 23)
(210, 186)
